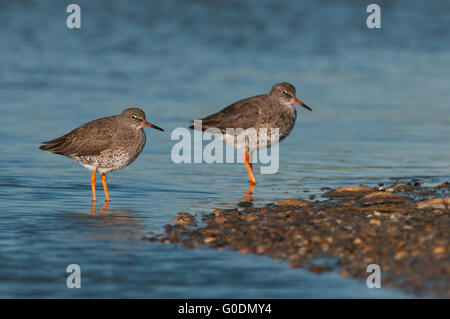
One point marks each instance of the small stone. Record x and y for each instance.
(184, 219)
(251, 217)
(220, 219)
(316, 239)
(381, 195)
(444, 185)
(354, 188)
(293, 202)
(438, 203)
(375, 222)
(218, 212)
(403, 187)
(394, 216)
(349, 190)
(209, 240)
(316, 269)
(345, 272)
(438, 250)
(245, 204)
(400, 255)
(357, 241)
(261, 249)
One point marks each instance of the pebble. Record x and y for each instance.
(251, 217)
(218, 212)
(293, 202)
(349, 190)
(382, 198)
(316, 269)
(184, 219)
(400, 255)
(354, 188)
(382, 195)
(209, 240)
(438, 203)
(245, 204)
(220, 219)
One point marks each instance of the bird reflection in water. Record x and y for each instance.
(104, 209)
(248, 195)
(115, 224)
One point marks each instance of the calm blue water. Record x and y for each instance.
(381, 113)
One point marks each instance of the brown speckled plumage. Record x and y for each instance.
(273, 110)
(108, 143)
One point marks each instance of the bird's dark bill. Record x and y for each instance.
(148, 124)
(294, 100)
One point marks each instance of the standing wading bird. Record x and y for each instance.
(266, 111)
(104, 145)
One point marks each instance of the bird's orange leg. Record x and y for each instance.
(105, 187)
(93, 184)
(249, 167)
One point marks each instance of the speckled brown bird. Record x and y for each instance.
(104, 145)
(265, 111)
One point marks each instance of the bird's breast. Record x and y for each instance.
(127, 148)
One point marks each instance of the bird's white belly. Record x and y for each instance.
(252, 139)
(107, 162)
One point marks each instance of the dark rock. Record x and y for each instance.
(293, 202)
(184, 219)
(245, 204)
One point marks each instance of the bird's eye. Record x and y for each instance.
(285, 92)
(133, 117)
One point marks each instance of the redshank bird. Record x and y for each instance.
(265, 111)
(104, 145)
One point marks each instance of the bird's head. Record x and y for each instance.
(135, 118)
(285, 93)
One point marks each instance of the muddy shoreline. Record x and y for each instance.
(404, 228)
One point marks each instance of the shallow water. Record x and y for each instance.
(381, 114)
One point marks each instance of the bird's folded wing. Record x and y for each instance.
(89, 139)
(242, 114)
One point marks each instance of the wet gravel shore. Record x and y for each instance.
(404, 228)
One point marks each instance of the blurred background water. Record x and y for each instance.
(381, 113)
